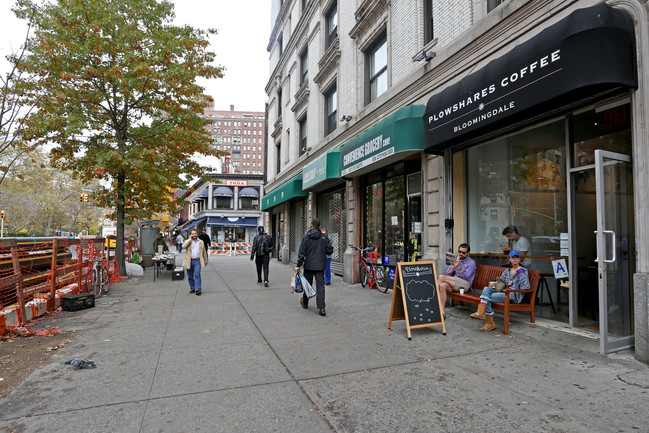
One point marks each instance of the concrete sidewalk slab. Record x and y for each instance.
(279, 407)
(245, 358)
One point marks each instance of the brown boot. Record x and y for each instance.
(480, 314)
(489, 324)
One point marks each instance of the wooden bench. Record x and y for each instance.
(483, 275)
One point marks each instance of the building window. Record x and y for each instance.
(331, 110)
(223, 202)
(303, 136)
(492, 4)
(429, 27)
(278, 157)
(304, 66)
(279, 102)
(248, 203)
(377, 69)
(280, 44)
(304, 3)
(331, 25)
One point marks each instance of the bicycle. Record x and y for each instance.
(370, 274)
(97, 279)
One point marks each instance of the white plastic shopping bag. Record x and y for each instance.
(308, 289)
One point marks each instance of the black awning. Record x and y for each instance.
(590, 51)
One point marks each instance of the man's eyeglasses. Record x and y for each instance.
(462, 252)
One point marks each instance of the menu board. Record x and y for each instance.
(415, 297)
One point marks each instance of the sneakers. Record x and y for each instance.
(191, 291)
(198, 293)
(304, 304)
(322, 312)
(259, 283)
(265, 283)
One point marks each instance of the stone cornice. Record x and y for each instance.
(328, 62)
(301, 96)
(366, 15)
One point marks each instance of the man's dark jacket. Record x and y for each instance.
(262, 244)
(206, 240)
(313, 251)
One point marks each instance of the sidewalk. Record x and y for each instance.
(244, 358)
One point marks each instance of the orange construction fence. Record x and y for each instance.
(35, 273)
(231, 248)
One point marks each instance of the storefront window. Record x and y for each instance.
(374, 215)
(331, 211)
(518, 180)
(602, 128)
(394, 219)
(385, 212)
(298, 227)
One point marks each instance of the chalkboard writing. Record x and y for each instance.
(415, 297)
(420, 287)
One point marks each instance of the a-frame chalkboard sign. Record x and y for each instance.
(415, 297)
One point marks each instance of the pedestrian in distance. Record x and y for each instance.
(313, 252)
(159, 241)
(195, 257)
(179, 243)
(328, 269)
(206, 239)
(262, 246)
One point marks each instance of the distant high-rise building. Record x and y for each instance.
(242, 135)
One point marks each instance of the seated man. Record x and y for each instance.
(458, 276)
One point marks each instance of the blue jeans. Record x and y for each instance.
(490, 295)
(179, 247)
(328, 271)
(194, 275)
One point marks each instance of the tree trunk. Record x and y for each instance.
(119, 247)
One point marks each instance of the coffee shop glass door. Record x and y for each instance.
(603, 243)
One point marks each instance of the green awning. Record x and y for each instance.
(397, 136)
(288, 190)
(324, 168)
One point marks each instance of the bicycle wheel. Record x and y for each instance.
(364, 275)
(379, 279)
(92, 285)
(104, 280)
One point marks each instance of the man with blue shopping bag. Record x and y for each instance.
(314, 249)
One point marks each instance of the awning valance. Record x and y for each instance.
(325, 167)
(201, 195)
(589, 52)
(191, 225)
(288, 190)
(232, 221)
(223, 191)
(393, 138)
(249, 192)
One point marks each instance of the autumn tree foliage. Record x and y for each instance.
(118, 98)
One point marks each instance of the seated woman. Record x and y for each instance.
(515, 278)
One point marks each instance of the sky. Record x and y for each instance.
(240, 46)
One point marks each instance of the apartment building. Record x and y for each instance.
(414, 126)
(242, 135)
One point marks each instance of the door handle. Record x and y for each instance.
(611, 260)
